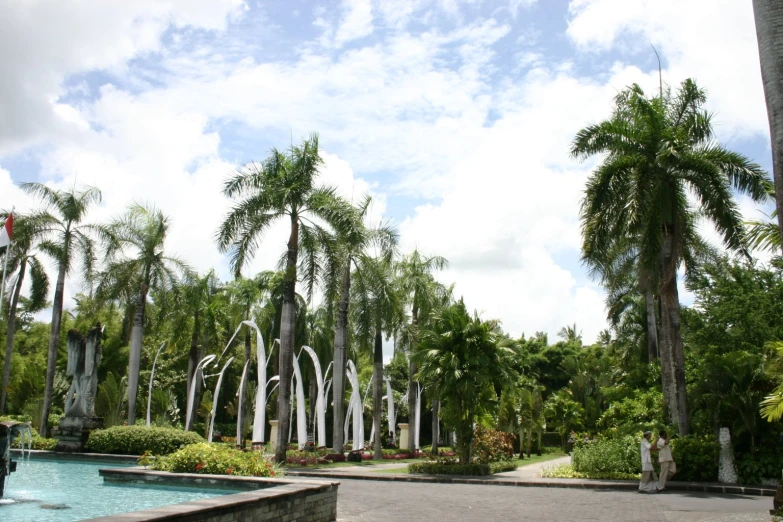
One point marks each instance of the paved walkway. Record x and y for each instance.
(365, 500)
(525, 476)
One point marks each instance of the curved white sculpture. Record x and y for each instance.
(192, 392)
(301, 417)
(320, 402)
(215, 398)
(152, 376)
(391, 413)
(240, 402)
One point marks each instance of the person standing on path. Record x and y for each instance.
(668, 467)
(649, 481)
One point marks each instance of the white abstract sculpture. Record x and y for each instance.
(152, 377)
(727, 472)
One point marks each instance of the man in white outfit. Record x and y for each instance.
(668, 467)
(649, 482)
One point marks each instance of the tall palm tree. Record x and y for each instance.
(658, 149)
(283, 186)
(418, 284)
(378, 309)
(350, 251)
(136, 265)
(769, 31)
(23, 258)
(67, 240)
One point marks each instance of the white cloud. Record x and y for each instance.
(356, 22)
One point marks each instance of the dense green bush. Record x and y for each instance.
(213, 459)
(754, 468)
(567, 471)
(136, 440)
(491, 446)
(39, 443)
(696, 457)
(452, 467)
(551, 450)
(609, 455)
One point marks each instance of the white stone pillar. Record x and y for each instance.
(404, 438)
(273, 434)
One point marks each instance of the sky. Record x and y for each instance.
(455, 116)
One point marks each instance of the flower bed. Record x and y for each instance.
(213, 459)
(451, 467)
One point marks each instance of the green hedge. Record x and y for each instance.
(696, 457)
(452, 468)
(615, 455)
(211, 459)
(137, 440)
(567, 471)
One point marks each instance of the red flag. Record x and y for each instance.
(7, 232)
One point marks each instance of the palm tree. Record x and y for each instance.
(350, 251)
(418, 284)
(378, 308)
(67, 240)
(23, 258)
(658, 150)
(464, 360)
(143, 230)
(769, 30)
(283, 187)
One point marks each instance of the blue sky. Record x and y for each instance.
(455, 116)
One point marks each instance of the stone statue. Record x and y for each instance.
(84, 357)
(727, 472)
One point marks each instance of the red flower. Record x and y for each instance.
(230, 471)
(199, 466)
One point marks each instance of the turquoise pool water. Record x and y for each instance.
(44, 490)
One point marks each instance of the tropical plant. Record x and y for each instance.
(772, 405)
(67, 240)
(283, 187)
(24, 257)
(769, 28)
(466, 362)
(110, 400)
(658, 149)
(130, 277)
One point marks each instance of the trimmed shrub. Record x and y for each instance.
(307, 458)
(765, 464)
(551, 450)
(615, 455)
(211, 459)
(567, 471)
(39, 443)
(137, 440)
(449, 467)
(696, 457)
(491, 446)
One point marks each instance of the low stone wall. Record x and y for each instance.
(267, 499)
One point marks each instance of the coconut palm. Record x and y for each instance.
(419, 286)
(350, 250)
(24, 257)
(136, 265)
(68, 241)
(283, 186)
(769, 30)
(464, 360)
(378, 309)
(658, 150)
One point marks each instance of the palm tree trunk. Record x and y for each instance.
(435, 426)
(193, 360)
(671, 307)
(54, 344)
(340, 360)
(134, 364)
(287, 342)
(667, 369)
(9, 335)
(652, 330)
(413, 368)
(377, 391)
(769, 31)
(243, 404)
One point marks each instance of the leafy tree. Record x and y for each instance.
(130, 277)
(564, 414)
(465, 361)
(24, 257)
(283, 187)
(658, 149)
(67, 240)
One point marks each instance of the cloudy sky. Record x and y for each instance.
(455, 116)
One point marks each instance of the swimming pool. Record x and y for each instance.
(65, 490)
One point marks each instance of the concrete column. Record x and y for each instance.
(273, 434)
(404, 438)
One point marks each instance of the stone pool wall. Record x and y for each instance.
(267, 499)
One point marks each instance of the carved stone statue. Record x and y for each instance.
(84, 357)
(727, 472)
